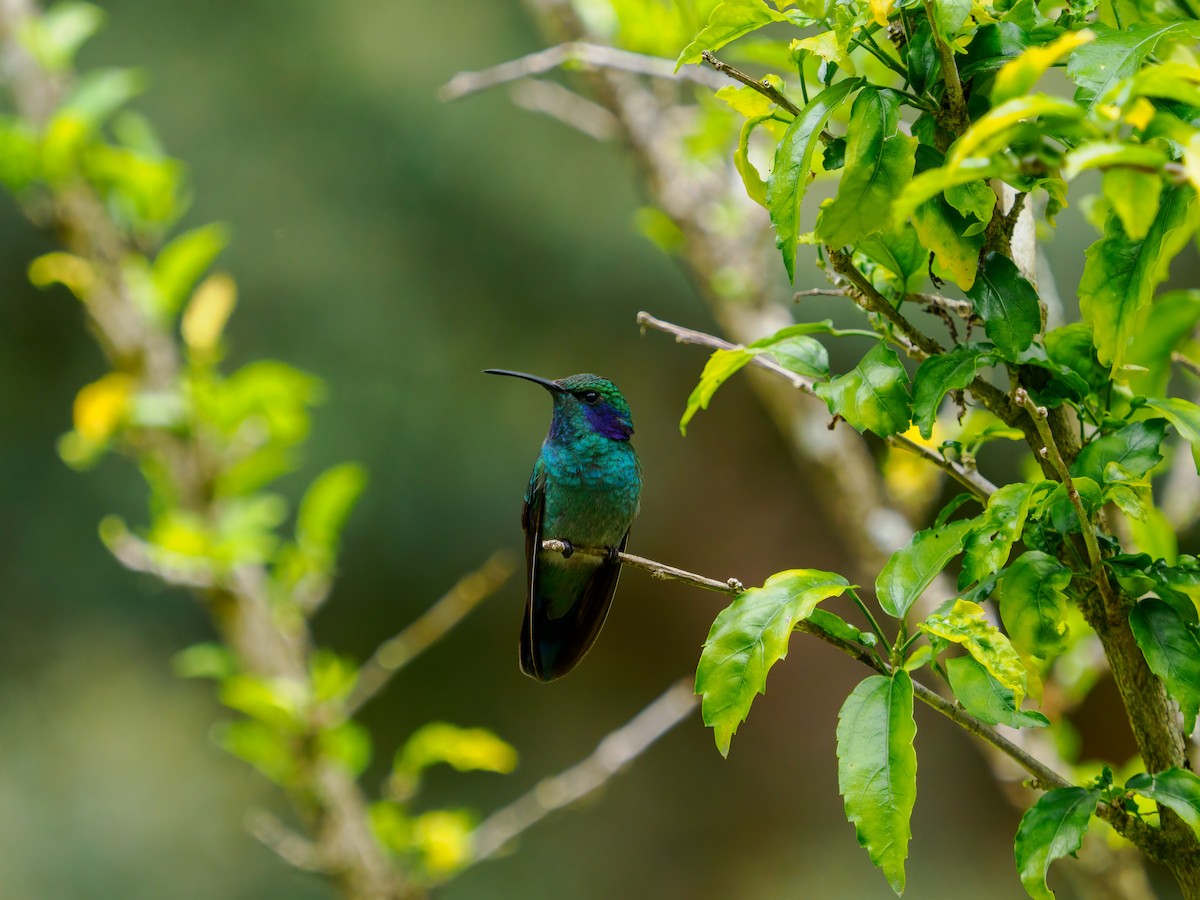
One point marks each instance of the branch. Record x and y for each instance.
(454, 606)
(954, 89)
(864, 294)
(763, 87)
(552, 99)
(595, 55)
(968, 478)
(611, 756)
(658, 571)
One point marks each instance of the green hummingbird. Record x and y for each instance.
(585, 490)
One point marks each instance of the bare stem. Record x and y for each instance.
(611, 756)
(763, 87)
(454, 606)
(658, 571)
(595, 55)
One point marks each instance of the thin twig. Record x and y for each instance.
(1188, 365)
(293, 848)
(961, 308)
(818, 292)
(864, 293)
(454, 606)
(968, 478)
(594, 55)
(764, 87)
(611, 756)
(954, 89)
(552, 99)
(658, 571)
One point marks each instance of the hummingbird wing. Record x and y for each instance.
(565, 609)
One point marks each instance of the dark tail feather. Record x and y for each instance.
(553, 646)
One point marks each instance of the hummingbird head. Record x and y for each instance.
(583, 404)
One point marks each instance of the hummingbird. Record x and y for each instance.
(585, 490)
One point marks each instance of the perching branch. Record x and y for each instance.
(611, 756)
(968, 478)
(658, 571)
(765, 88)
(454, 606)
(581, 52)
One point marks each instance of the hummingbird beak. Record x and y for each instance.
(553, 386)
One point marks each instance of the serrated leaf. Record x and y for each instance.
(1185, 416)
(1033, 605)
(966, 624)
(949, 16)
(832, 623)
(877, 769)
(990, 131)
(1098, 67)
(943, 231)
(1072, 346)
(989, 543)
(729, 21)
(873, 396)
(1177, 789)
(1172, 652)
(1120, 274)
(748, 637)
(1007, 303)
(1051, 829)
(879, 161)
(986, 698)
(938, 376)
(793, 163)
(1134, 448)
(913, 567)
(1020, 75)
(901, 254)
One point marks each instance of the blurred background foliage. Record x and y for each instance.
(394, 246)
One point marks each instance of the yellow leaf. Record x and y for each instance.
(1018, 76)
(1139, 113)
(910, 478)
(101, 406)
(209, 310)
(444, 839)
(70, 271)
(881, 9)
(1191, 161)
(826, 46)
(967, 625)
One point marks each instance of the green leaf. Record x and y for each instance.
(1177, 789)
(1018, 77)
(1033, 603)
(832, 623)
(721, 366)
(940, 374)
(949, 16)
(1105, 154)
(56, 36)
(991, 131)
(1051, 829)
(1185, 416)
(943, 231)
(347, 744)
(877, 769)
(966, 624)
(1133, 195)
(974, 200)
(182, 261)
(873, 395)
(989, 543)
(756, 187)
(1098, 67)
(879, 161)
(209, 660)
(1072, 346)
(729, 21)
(1161, 328)
(326, 506)
(913, 567)
(793, 163)
(900, 253)
(464, 749)
(1172, 652)
(1007, 303)
(263, 747)
(748, 637)
(1120, 274)
(99, 93)
(1134, 448)
(986, 698)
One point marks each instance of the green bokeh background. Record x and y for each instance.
(396, 246)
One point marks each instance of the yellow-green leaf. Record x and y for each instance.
(966, 624)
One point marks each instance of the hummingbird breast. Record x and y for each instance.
(593, 491)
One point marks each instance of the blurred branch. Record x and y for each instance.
(968, 478)
(552, 99)
(575, 52)
(454, 606)
(658, 571)
(294, 849)
(611, 756)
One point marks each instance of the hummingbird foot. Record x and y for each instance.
(568, 549)
(613, 556)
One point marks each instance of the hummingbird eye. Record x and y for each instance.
(590, 397)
